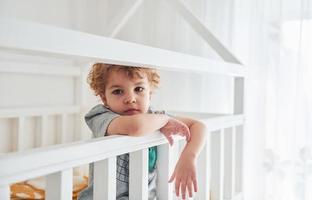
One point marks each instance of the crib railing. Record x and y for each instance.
(58, 161)
(41, 114)
(226, 157)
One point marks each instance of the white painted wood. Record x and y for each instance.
(229, 163)
(215, 157)
(217, 166)
(48, 160)
(63, 120)
(239, 168)
(238, 196)
(165, 167)
(221, 174)
(120, 21)
(23, 37)
(58, 157)
(105, 179)
(5, 192)
(233, 161)
(60, 185)
(20, 134)
(220, 122)
(203, 31)
(138, 175)
(203, 176)
(79, 117)
(27, 68)
(37, 111)
(42, 132)
(239, 95)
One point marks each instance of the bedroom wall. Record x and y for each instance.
(155, 24)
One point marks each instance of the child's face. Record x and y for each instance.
(127, 96)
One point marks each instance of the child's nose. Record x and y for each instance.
(130, 99)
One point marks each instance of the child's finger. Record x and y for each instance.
(183, 189)
(172, 177)
(190, 188)
(177, 187)
(188, 135)
(169, 138)
(195, 184)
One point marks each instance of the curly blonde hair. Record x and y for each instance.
(99, 73)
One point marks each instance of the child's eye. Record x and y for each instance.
(117, 92)
(139, 89)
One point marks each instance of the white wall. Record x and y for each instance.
(155, 24)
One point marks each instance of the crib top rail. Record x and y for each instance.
(19, 166)
(32, 163)
(34, 38)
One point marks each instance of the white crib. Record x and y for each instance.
(220, 163)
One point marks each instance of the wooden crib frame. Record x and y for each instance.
(220, 163)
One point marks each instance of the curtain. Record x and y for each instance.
(278, 132)
(273, 38)
(288, 103)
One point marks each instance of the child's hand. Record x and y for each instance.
(174, 127)
(185, 176)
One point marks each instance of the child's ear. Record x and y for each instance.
(150, 95)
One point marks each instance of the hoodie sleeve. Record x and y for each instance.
(98, 119)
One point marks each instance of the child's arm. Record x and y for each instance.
(185, 171)
(140, 124)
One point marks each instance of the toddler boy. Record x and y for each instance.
(126, 93)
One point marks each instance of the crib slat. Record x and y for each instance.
(138, 175)
(43, 123)
(78, 101)
(217, 166)
(221, 175)
(165, 166)
(60, 185)
(203, 175)
(238, 96)
(229, 163)
(239, 132)
(105, 179)
(5, 192)
(20, 133)
(233, 181)
(63, 128)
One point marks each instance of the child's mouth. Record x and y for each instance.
(132, 111)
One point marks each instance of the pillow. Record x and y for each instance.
(34, 189)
